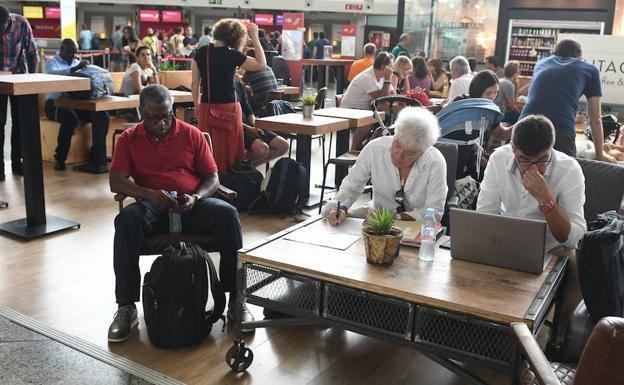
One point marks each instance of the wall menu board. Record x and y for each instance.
(171, 16)
(31, 12)
(606, 53)
(52, 13)
(149, 15)
(263, 19)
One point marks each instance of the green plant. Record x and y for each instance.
(380, 221)
(309, 100)
(169, 66)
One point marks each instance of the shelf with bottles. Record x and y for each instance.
(526, 69)
(534, 31)
(529, 46)
(528, 54)
(533, 42)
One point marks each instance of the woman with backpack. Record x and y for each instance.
(214, 92)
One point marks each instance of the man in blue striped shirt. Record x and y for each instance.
(261, 82)
(65, 63)
(18, 55)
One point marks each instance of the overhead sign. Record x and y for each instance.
(171, 16)
(606, 52)
(52, 13)
(293, 21)
(354, 6)
(149, 15)
(32, 12)
(263, 19)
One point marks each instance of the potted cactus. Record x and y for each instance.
(381, 241)
(309, 102)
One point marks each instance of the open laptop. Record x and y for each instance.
(498, 240)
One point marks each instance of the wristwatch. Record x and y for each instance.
(546, 207)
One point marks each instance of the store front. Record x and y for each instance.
(446, 28)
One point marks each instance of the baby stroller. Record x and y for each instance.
(466, 123)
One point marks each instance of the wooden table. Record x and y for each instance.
(304, 129)
(289, 90)
(447, 309)
(98, 107)
(26, 87)
(328, 63)
(438, 94)
(357, 118)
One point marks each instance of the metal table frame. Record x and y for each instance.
(442, 335)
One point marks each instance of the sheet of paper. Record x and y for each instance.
(334, 237)
(323, 238)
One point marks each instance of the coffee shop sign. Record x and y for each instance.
(452, 25)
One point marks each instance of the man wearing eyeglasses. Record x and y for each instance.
(157, 156)
(530, 179)
(408, 174)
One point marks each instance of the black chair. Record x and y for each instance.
(604, 187)
(604, 190)
(280, 69)
(451, 154)
(155, 243)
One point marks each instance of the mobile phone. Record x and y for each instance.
(446, 244)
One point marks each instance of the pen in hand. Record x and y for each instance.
(337, 210)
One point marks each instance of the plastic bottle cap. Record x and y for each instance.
(430, 212)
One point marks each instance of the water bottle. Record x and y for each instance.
(175, 219)
(427, 242)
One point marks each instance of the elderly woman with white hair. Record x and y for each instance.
(408, 174)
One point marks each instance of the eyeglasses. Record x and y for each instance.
(157, 119)
(399, 198)
(529, 163)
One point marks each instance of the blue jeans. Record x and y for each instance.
(139, 219)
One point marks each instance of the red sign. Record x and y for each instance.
(149, 15)
(293, 21)
(52, 13)
(171, 16)
(354, 6)
(46, 29)
(348, 30)
(264, 19)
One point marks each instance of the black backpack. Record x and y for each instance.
(287, 184)
(601, 266)
(101, 83)
(247, 187)
(175, 293)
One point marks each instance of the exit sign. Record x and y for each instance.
(354, 6)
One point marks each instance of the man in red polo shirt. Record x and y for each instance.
(162, 154)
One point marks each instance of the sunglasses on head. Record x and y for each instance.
(399, 198)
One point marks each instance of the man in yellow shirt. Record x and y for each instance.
(151, 41)
(362, 64)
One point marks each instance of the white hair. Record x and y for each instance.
(416, 128)
(460, 64)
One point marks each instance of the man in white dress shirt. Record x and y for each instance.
(408, 174)
(529, 179)
(461, 76)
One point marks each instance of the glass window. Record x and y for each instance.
(447, 28)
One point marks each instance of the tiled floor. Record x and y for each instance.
(30, 358)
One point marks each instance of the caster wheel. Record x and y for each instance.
(239, 358)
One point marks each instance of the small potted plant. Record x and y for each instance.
(381, 241)
(309, 102)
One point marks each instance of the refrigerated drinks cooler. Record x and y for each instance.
(532, 40)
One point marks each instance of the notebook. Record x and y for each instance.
(412, 232)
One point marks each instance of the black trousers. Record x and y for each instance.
(16, 142)
(69, 120)
(141, 218)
